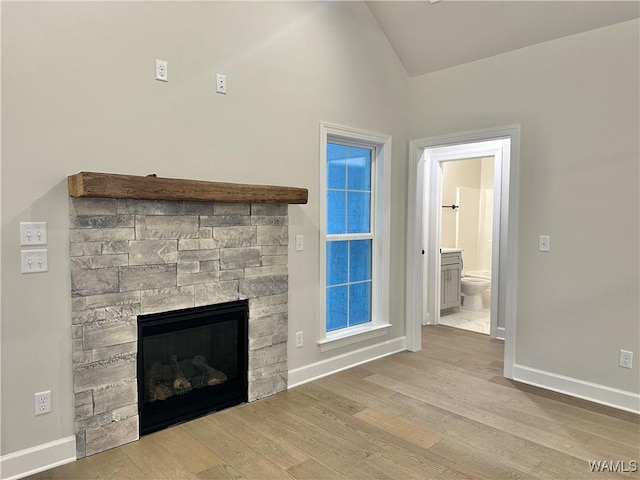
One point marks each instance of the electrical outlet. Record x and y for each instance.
(221, 83)
(626, 359)
(299, 340)
(43, 402)
(162, 70)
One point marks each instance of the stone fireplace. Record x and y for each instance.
(133, 257)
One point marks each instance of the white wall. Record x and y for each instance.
(577, 101)
(78, 93)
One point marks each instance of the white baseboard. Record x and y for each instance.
(305, 374)
(501, 333)
(37, 459)
(612, 397)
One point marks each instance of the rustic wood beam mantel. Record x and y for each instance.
(108, 185)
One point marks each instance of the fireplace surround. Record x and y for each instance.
(136, 257)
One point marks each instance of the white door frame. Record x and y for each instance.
(425, 177)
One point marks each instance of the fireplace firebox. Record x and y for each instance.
(191, 362)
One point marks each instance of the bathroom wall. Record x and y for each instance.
(467, 227)
(468, 183)
(462, 173)
(485, 220)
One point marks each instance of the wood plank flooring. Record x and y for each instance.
(445, 412)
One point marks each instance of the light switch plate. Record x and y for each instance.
(34, 261)
(33, 233)
(543, 243)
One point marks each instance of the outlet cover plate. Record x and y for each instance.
(626, 359)
(162, 70)
(43, 402)
(221, 83)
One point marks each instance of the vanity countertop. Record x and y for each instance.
(451, 250)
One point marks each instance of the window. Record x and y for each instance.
(354, 243)
(349, 240)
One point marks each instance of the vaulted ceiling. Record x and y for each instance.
(433, 36)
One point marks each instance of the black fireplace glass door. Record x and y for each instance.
(191, 362)
(179, 362)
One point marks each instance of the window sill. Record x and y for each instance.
(352, 335)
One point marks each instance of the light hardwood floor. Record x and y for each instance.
(444, 412)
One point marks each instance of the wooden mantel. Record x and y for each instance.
(108, 185)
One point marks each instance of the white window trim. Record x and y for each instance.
(379, 325)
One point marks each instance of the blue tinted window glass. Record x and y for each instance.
(336, 151)
(337, 262)
(336, 211)
(336, 308)
(336, 166)
(358, 212)
(359, 303)
(359, 169)
(359, 260)
(348, 263)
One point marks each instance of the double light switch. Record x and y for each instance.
(33, 260)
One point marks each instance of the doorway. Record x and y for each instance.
(425, 210)
(435, 159)
(466, 245)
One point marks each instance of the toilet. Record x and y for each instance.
(472, 285)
